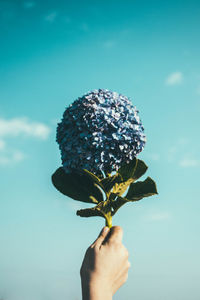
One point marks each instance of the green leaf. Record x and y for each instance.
(116, 204)
(133, 170)
(141, 189)
(78, 186)
(140, 169)
(89, 212)
(127, 170)
(93, 176)
(136, 192)
(130, 173)
(109, 182)
(101, 209)
(120, 188)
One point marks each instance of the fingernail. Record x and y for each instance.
(106, 229)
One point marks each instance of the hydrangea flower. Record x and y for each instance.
(99, 131)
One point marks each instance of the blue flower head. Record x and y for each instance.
(99, 132)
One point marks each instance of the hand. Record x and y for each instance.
(105, 266)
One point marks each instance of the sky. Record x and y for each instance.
(53, 52)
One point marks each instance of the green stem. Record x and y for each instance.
(109, 220)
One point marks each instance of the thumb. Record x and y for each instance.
(98, 242)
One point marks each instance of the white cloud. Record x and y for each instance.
(2, 145)
(154, 156)
(11, 157)
(109, 44)
(22, 126)
(51, 17)
(174, 78)
(18, 127)
(182, 155)
(175, 150)
(29, 4)
(159, 216)
(189, 162)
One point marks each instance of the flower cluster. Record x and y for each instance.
(99, 131)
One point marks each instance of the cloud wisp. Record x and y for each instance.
(189, 162)
(153, 156)
(12, 157)
(51, 17)
(22, 126)
(179, 153)
(18, 127)
(29, 4)
(109, 44)
(175, 151)
(158, 216)
(174, 78)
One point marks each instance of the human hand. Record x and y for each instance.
(105, 266)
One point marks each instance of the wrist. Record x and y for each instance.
(95, 290)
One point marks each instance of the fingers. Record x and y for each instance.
(103, 234)
(107, 235)
(115, 235)
(122, 277)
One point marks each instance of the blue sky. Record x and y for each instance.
(54, 51)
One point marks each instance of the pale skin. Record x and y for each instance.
(105, 266)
